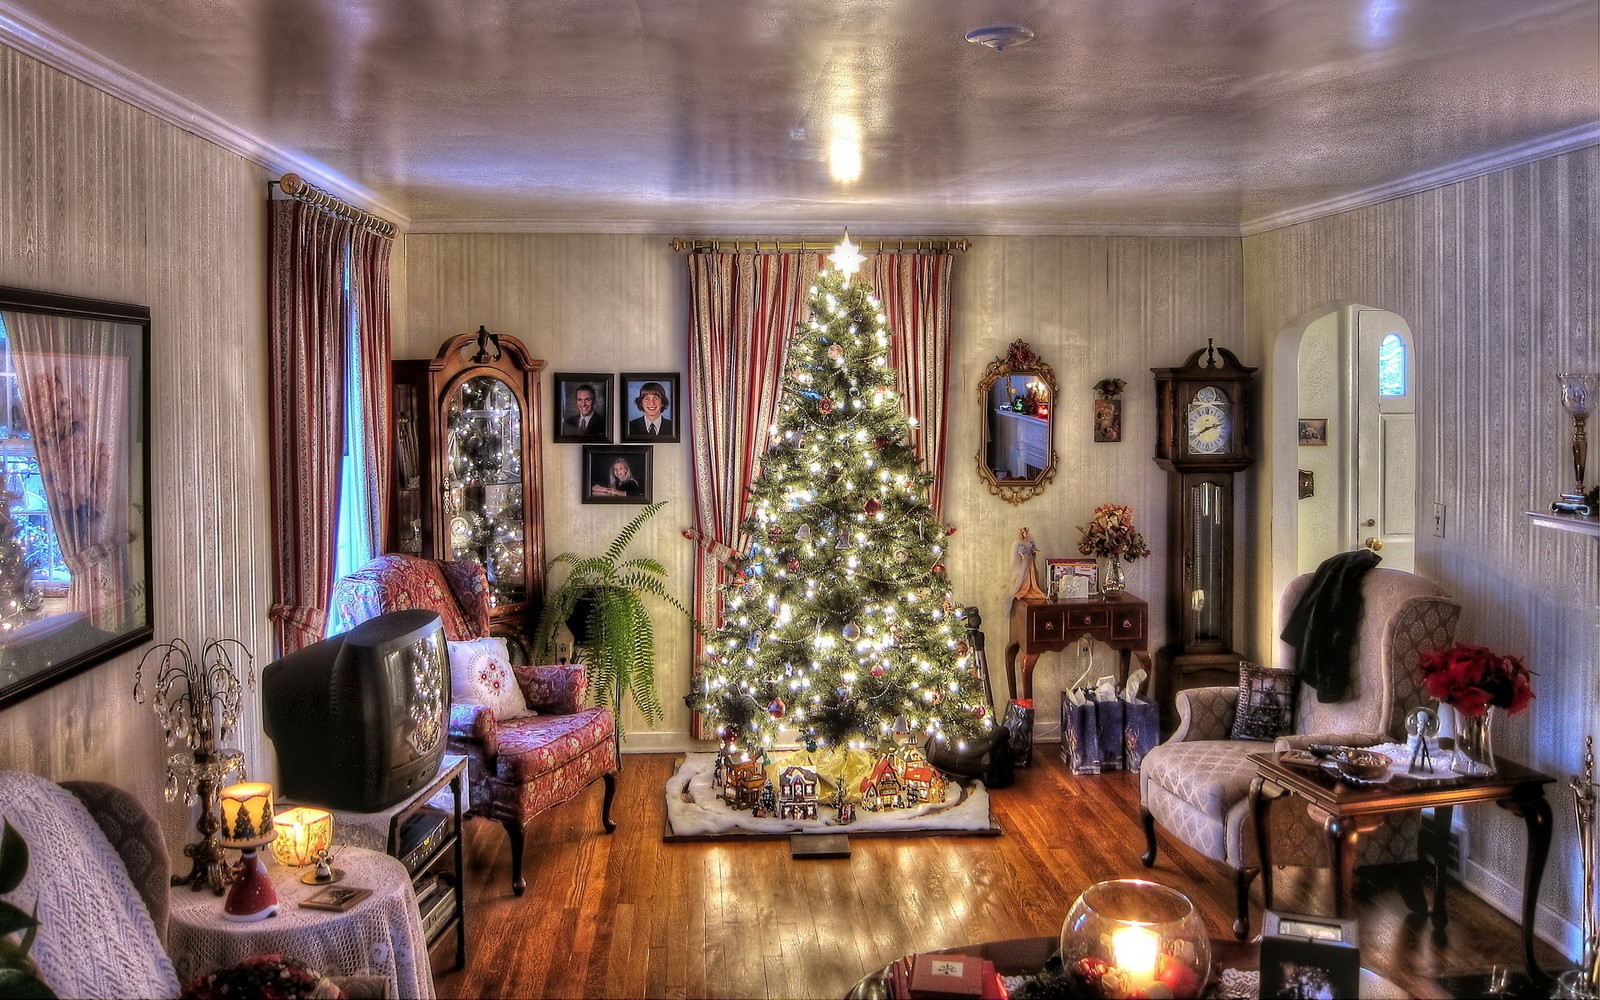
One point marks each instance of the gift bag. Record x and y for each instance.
(1141, 730)
(1108, 719)
(1018, 721)
(1080, 735)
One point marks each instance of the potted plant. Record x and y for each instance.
(19, 977)
(602, 601)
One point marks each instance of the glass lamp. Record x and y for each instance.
(1578, 398)
(247, 825)
(305, 838)
(1130, 937)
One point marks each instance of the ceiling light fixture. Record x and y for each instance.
(1000, 36)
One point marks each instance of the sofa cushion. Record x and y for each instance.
(536, 746)
(558, 689)
(1266, 702)
(1211, 775)
(480, 674)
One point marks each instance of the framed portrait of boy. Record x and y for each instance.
(651, 407)
(583, 407)
(616, 474)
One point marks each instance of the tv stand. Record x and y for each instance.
(426, 836)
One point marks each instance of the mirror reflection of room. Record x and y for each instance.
(1019, 427)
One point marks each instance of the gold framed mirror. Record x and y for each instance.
(1017, 456)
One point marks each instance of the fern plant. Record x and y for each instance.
(19, 977)
(619, 650)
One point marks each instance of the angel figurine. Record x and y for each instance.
(1023, 563)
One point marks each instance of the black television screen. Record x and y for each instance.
(359, 720)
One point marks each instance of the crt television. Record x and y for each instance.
(359, 720)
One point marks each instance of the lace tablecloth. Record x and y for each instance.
(381, 935)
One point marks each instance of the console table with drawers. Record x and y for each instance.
(1041, 626)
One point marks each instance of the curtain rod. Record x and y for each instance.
(683, 245)
(300, 189)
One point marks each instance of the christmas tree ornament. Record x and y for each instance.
(774, 532)
(739, 579)
(978, 711)
(937, 568)
(794, 565)
(803, 533)
(836, 351)
(877, 670)
(873, 507)
(776, 708)
(825, 405)
(851, 631)
(962, 649)
(901, 555)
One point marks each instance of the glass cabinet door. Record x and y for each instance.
(1207, 574)
(484, 484)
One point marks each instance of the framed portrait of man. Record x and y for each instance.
(583, 407)
(651, 408)
(616, 474)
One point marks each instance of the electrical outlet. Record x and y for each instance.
(1438, 520)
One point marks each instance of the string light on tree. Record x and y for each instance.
(839, 622)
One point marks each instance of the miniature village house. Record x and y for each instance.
(797, 793)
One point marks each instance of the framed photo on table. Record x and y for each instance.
(583, 407)
(652, 408)
(616, 474)
(1066, 579)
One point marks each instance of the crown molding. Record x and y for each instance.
(1568, 141)
(39, 41)
(643, 227)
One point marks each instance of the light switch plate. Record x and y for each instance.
(1438, 520)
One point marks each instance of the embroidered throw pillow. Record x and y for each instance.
(557, 690)
(480, 674)
(1266, 702)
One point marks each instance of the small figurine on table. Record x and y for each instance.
(1024, 563)
(1421, 726)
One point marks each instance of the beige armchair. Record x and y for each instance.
(1196, 784)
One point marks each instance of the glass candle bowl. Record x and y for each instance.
(1133, 938)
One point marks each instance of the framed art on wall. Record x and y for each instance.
(583, 407)
(1313, 431)
(651, 407)
(616, 474)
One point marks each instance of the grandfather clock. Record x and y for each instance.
(1202, 439)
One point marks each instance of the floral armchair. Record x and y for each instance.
(518, 767)
(1196, 784)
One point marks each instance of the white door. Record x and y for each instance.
(1385, 462)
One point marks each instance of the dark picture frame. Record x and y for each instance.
(631, 425)
(86, 349)
(566, 395)
(599, 463)
(1061, 576)
(1293, 965)
(1313, 431)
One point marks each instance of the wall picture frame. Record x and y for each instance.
(617, 474)
(583, 407)
(80, 375)
(1107, 421)
(1313, 431)
(1072, 579)
(652, 408)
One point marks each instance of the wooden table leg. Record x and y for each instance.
(1535, 811)
(1029, 660)
(1344, 837)
(1441, 860)
(1262, 795)
(1011, 670)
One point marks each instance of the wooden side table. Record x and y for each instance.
(1348, 812)
(381, 935)
(1040, 626)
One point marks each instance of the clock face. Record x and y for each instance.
(1208, 422)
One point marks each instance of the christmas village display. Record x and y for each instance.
(838, 623)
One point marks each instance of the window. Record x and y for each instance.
(355, 546)
(1391, 366)
(35, 532)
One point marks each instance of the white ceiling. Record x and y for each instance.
(716, 115)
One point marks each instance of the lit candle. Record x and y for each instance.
(1135, 950)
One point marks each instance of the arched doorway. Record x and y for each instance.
(1343, 447)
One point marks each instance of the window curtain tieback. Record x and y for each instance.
(309, 620)
(82, 559)
(720, 551)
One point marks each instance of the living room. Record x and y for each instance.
(110, 193)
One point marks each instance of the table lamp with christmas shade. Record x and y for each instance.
(305, 840)
(246, 826)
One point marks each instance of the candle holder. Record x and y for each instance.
(1578, 399)
(198, 703)
(1130, 937)
(1585, 980)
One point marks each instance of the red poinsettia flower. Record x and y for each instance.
(1472, 679)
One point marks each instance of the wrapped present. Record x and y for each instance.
(1108, 720)
(1080, 733)
(1018, 722)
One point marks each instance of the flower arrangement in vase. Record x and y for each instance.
(1473, 680)
(1111, 537)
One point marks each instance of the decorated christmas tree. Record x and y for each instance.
(19, 600)
(839, 623)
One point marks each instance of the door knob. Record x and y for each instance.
(1373, 544)
(1370, 523)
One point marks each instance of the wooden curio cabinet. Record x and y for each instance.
(468, 480)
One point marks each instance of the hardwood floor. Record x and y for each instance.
(627, 915)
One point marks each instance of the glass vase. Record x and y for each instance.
(1112, 580)
(1474, 748)
(1133, 938)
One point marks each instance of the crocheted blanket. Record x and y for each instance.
(95, 936)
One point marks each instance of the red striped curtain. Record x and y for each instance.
(743, 312)
(915, 292)
(313, 259)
